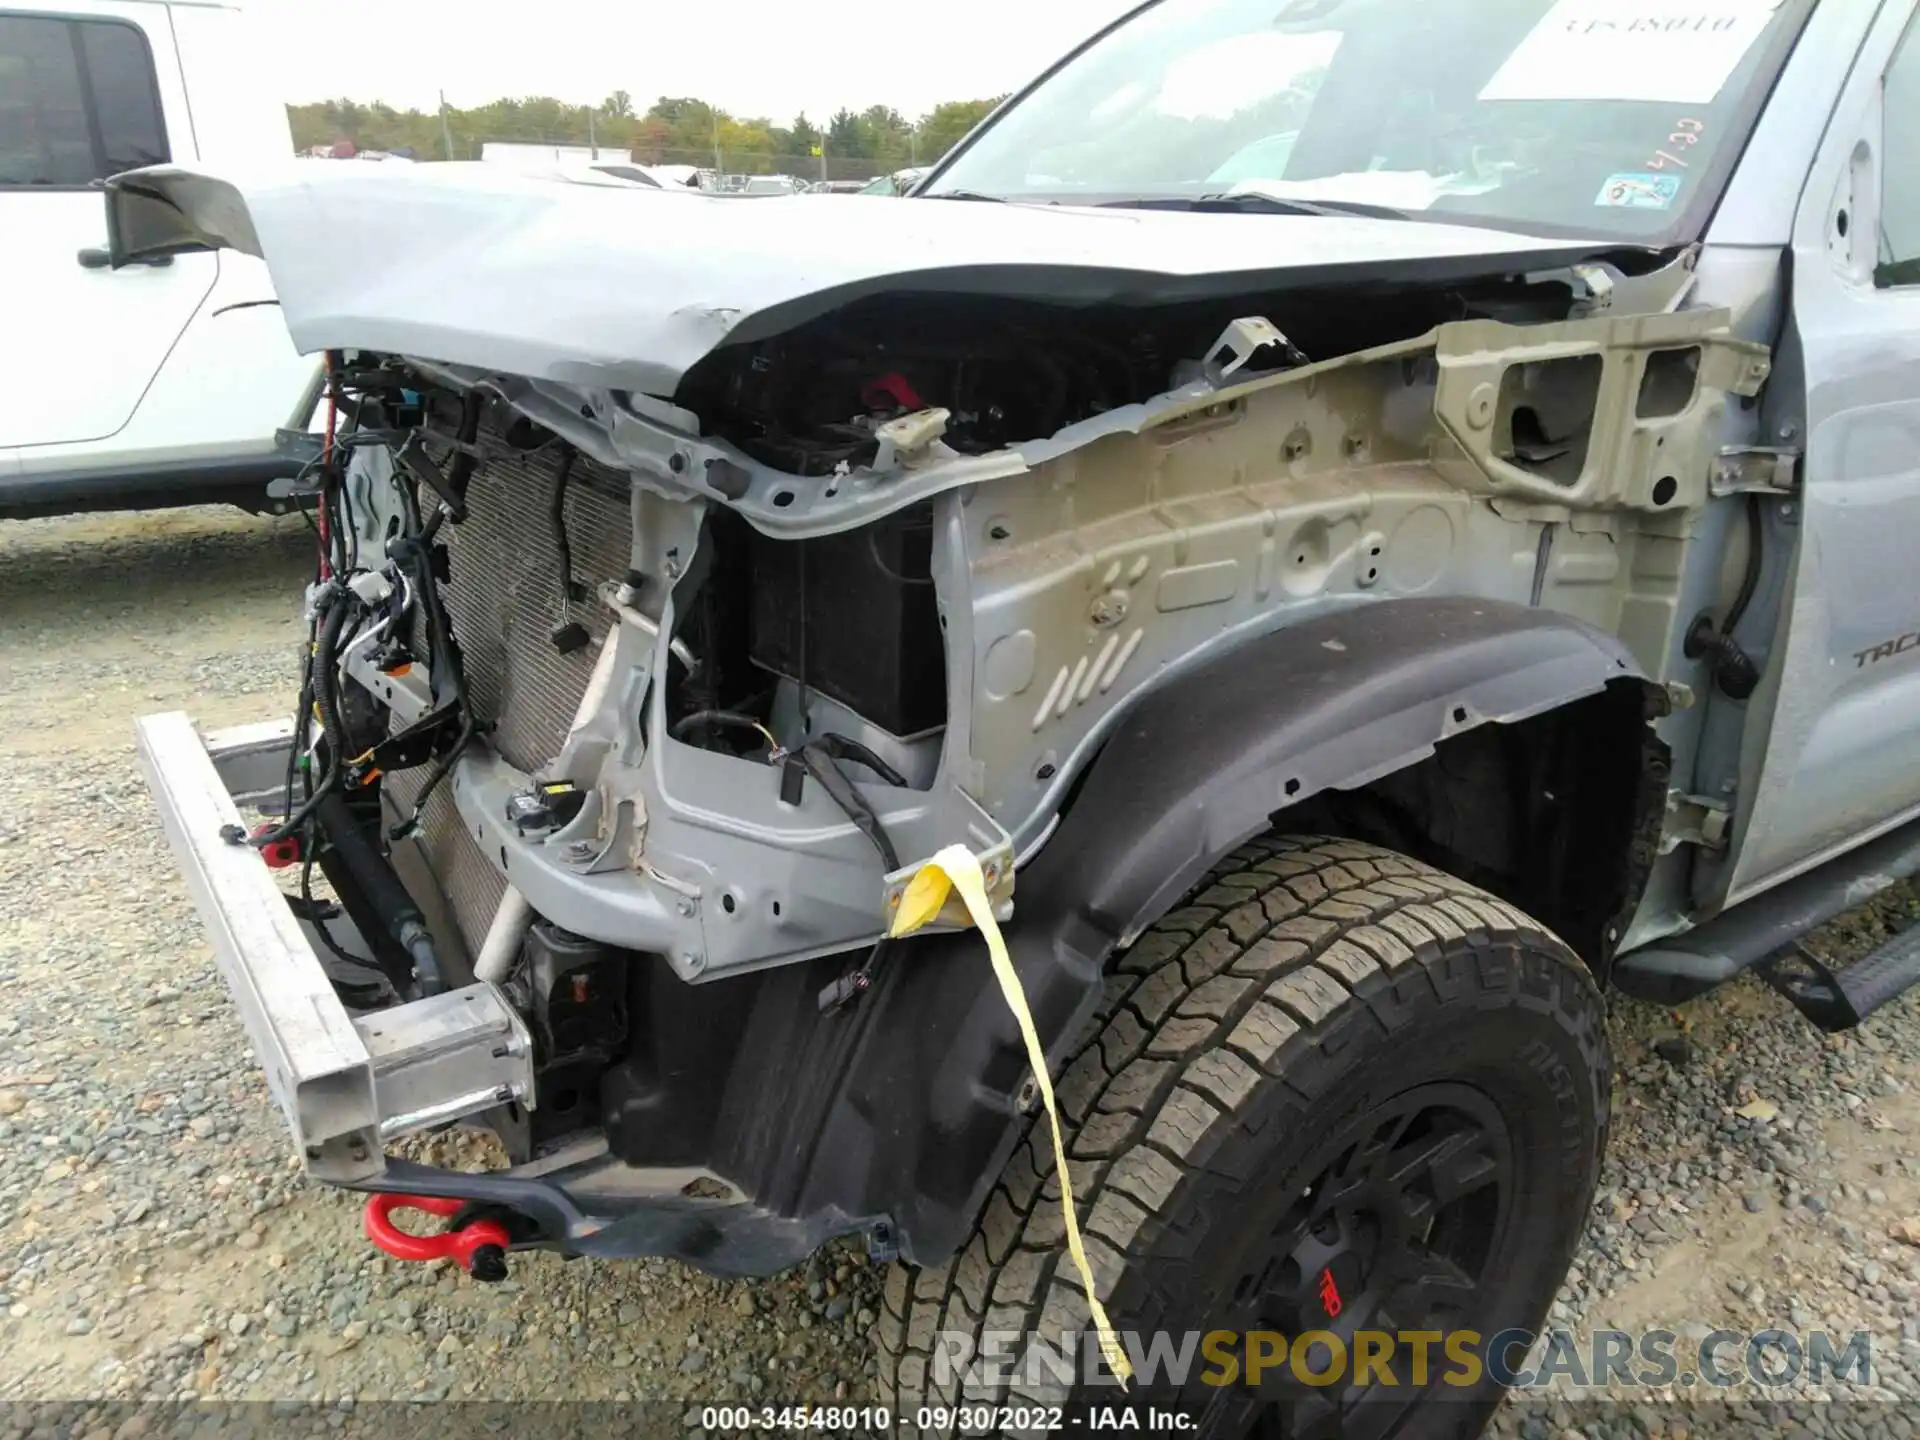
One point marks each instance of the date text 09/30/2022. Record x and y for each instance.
(946, 1420)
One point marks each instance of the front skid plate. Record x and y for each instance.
(345, 1085)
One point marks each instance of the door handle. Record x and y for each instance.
(96, 257)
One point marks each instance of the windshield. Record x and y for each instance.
(1612, 117)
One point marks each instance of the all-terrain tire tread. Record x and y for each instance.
(1236, 985)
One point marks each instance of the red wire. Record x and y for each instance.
(326, 462)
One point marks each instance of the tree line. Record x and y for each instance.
(673, 130)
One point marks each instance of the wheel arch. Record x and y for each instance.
(1393, 722)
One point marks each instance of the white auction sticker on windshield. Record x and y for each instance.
(1677, 51)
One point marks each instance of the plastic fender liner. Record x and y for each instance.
(1207, 759)
(920, 1114)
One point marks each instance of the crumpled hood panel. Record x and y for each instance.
(467, 264)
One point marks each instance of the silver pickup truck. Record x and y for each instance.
(1367, 526)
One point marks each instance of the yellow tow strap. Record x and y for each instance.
(955, 868)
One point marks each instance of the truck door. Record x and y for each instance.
(84, 93)
(1842, 761)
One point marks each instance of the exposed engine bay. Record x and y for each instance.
(810, 401)
(643, 709)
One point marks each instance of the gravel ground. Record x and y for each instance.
(156, 1244)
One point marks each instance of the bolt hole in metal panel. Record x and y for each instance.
(343, 1085)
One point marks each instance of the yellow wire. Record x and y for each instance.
(955, 868)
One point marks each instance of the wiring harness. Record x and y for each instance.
(342, 746)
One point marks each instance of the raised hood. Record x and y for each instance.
(469, 265)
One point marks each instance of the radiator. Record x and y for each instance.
(503, 601)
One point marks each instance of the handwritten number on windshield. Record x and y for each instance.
(1686, 134)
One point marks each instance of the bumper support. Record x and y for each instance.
(344, 1084)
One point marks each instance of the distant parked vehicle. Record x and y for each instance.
(897, 183)
(161, 381)
(770, 185)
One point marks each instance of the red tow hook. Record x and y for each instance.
(281, 854)
(480, 1245)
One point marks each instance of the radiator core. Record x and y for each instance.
(503, 600)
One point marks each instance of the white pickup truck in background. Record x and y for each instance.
(159, 383)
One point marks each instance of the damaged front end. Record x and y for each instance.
(631, 711)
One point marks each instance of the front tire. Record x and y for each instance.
(1337, 1091)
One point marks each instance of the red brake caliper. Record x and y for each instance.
(480, 1245)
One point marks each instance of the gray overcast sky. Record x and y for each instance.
(753, 58)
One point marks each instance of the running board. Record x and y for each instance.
(1837, 1000)
(1675, 970)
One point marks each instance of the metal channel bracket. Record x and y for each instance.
(342, 1085)
(1755, 470)
(446, 1056)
